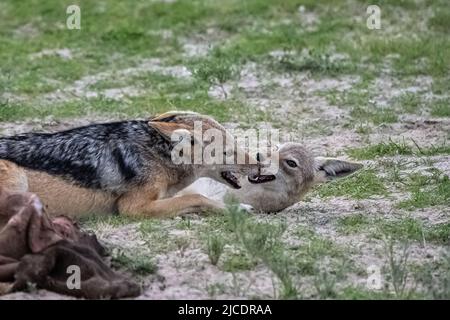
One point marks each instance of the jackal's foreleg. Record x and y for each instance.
(139, 205)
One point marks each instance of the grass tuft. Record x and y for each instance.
(353, 223)
(392, 148)
(441, 108)
(215, 249)
(427, 191)
(363, 184)
(138, 264)
(409, 102)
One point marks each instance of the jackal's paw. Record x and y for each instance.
(247, 208)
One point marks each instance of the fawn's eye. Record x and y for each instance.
(291, 163)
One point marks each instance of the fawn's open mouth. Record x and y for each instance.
(231, 179)
(260, 178)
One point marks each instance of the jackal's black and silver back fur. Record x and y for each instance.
(104, 156)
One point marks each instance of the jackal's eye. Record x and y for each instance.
(291, 163)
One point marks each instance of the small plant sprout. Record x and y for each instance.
(215, 248)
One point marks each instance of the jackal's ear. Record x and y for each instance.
(167, 123)
(176, 132)
(173, 116)
(167, 129)
(331, 168)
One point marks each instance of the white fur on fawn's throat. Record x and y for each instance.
(212, 190)
(206, 187)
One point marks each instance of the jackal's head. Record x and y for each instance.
(200, 141)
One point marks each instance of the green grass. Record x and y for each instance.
(142, 106)
(361, 185)
(255, 243)
(362, 293)
(404, 279)
(439, 233)
(392, 148)
(359, 101)
(401, 229)
(150, 226)
(376, 115)
(404, 228)
(127, 33)
(435, 278)
(113, 221)
(238, 262)
(315, 249)
(215, 247)
(217, 70)
(409, 102)
(315, 62)
(440, 21)
(410, 229)
(441, 108)
(354, 223)
(156, 238)
(427, 191)
(381, 149)
(138, 264)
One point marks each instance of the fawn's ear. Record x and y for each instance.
(331, 168)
